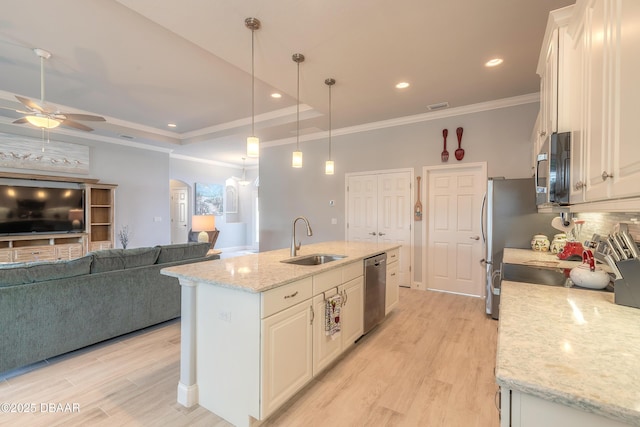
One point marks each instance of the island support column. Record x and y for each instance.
(187, 386)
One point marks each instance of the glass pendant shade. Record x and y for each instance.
(253, 146)
(43, 122)
(296, 160)
(329, 167)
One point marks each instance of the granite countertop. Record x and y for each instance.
(535, 258)
(573, 347)
(263, 271)
(542, 259)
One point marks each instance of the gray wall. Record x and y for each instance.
(499, 137)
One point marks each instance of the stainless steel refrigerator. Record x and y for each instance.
(510, 220)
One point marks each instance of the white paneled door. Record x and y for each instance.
(379, 210)
(179, 215)
(454, 245)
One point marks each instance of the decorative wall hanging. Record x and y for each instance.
(29, 153)
(209, 199)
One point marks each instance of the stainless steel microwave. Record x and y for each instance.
(552, 176)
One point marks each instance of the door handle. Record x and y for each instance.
(381, 234)
(475, 238)
(373, 233)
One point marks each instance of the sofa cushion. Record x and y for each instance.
(42, 271)
(140, 257)
(107, 260)
(182, 251)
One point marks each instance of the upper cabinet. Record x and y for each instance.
(554, 72)
(607, 51)
(595, 96)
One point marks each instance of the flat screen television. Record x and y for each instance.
(25, 210)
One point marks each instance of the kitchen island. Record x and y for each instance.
(249, 341)
(567, 357)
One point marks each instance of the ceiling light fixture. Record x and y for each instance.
(402, 85)
(244, 181)
(493, 62)
(329, 166)
(253, 142)
(276, 95)
(43, 121)
(296, 160)
(171, 125)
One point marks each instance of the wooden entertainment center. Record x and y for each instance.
(99, 232)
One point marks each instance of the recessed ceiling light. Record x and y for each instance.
(493, 62)
(276, 95)
(402, 85)
(171, 125)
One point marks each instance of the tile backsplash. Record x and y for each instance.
(603, 223)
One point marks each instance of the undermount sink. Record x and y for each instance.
(315, 259)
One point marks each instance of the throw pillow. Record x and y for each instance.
(140, 257)
(107, 260)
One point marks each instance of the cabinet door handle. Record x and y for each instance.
(313, 315)
(292, 295)
(393, 274)
(373, 233)
(605, 175)
(579, 185)
(381, 234)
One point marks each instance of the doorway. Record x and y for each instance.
(379, 209)
(451, 260)
(179, 212)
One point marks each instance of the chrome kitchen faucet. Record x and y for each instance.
(295, 248)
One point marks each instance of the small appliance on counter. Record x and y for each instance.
(587, 275)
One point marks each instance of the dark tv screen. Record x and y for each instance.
(41, 210)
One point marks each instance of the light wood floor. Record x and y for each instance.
(429, 364)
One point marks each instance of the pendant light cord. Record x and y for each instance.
(253, 87)
(298, 111)
(330, 122)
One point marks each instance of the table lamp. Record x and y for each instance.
(203, 224)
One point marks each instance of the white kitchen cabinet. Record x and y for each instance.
(608, 50)
(353, 316)
(553, 69)
(326, 348)
(286, 355)
(392, 293)
(524, 410)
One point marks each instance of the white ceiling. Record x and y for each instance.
(145, 63)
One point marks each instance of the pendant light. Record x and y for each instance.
(244, 181)
(253, 142)
(296, 160)
(329, 166)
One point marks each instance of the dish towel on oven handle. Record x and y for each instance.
(332, 316)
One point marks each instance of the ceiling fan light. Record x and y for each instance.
(329, 167)
(43, 122)
(253, 146)
(296, 160)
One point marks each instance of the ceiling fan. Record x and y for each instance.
(47, 116)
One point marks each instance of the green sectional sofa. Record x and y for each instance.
(51, 308)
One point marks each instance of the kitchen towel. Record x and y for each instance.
(332, 316)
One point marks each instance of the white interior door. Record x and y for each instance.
(454, 246)
(362, 208)
(379, 209)
(179, 215)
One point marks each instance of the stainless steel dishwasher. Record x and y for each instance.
(375, 286)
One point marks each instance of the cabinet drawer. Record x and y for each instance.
(6, 255)
(34, 253)
(327, 280)
(69, 251)
(285, 296)
(393, 255)
(351, 271)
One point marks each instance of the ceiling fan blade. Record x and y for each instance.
(29, 103)
(84, 117)
(20, 121)
(75, 125)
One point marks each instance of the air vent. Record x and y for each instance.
(126, 136)
(438, 106)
